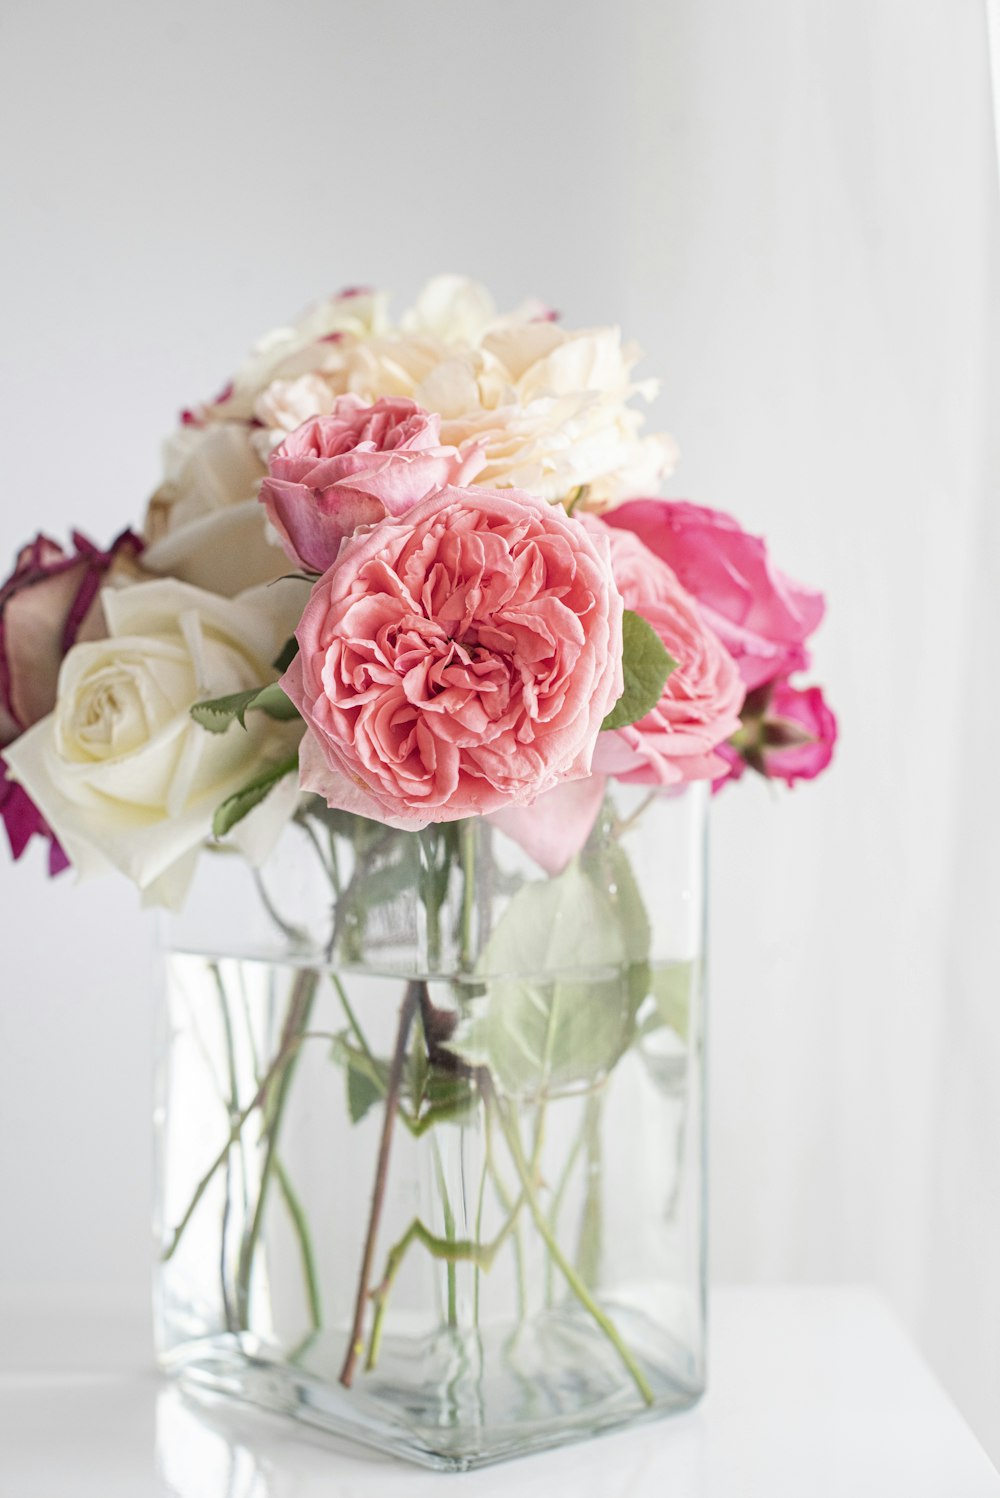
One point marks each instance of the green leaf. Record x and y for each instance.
(646, 664)
(288, 652)
(236, 807)
(671, 989)
(560, 998)
(217, 714)
(435, 1097)
(362, 1093)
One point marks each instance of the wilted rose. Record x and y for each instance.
(50, 601)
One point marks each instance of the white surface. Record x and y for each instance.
(814, 1394)
(794, 207)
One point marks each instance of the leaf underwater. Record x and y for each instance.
(565, 971)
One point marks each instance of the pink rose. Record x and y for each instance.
(354, 467)
(788, 734)
(701, 700)
(458, 659)
(50, 601)
(761, 616)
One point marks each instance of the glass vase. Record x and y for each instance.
(430, 1131)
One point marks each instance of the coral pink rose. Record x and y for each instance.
(761, 616)
(701, 700)
(354, 467)
(788, 734)
(51, 600)
(457, 659)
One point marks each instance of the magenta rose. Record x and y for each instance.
(50, 601)
(788, 734)
(335, 473)
(701, 700)
(457, 659)
(761, 616)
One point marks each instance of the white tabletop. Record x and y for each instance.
(814, 1393)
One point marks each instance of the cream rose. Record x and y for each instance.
(120, 770)
(204, 525)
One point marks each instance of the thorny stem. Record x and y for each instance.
(410, 1005)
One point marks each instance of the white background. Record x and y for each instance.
(795, 208)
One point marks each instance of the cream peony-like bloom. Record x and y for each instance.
(554, 407)
(120, 770)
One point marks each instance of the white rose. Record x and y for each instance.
(204, 524)
(120, 770)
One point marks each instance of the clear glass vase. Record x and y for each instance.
(430, 1131)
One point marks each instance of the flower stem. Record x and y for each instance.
(281, 1060)
(449, 1232)
(452, 1250)
(588, 1254)
(467, 836)
(297, 1019)
(410, 1005)
(297, 1213)
(570, 1275)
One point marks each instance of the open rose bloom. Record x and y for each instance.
(407, 698)
(455, 620)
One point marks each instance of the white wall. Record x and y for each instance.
(795, 209)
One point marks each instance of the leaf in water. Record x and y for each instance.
(671, 989)
(646, 664)
(362, 1093)
(558, 1007)
(608, 866)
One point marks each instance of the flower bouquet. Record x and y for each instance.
(407, 702)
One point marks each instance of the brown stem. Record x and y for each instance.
(411, 1002)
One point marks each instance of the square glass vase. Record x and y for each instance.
(430, 1130)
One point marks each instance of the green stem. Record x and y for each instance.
(506, 1201)
(297, 1019)
(452, 1250)
(570, 1275)
(232, 1108)
(301, 1226)
(558, 1196)
(281, 1060)
(449, 1232)
(480, 1206)
(408, 1009)
(467, 836)
(588, 1254)
(352, 1020)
